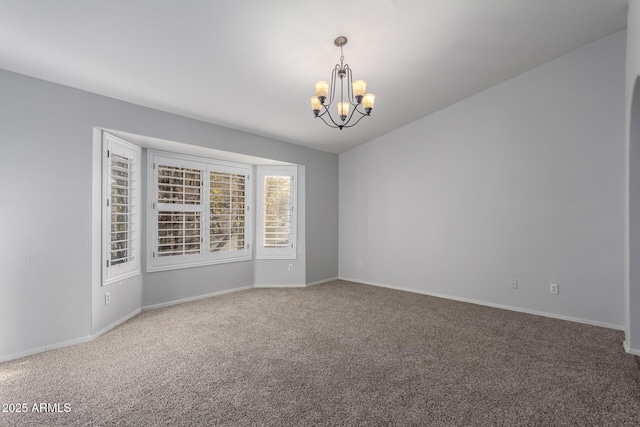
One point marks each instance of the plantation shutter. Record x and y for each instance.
(179, 209)
(198, 212)
(277, 212)
(122, 208)
(276, 232)
(227, 212)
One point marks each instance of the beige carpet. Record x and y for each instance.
(334, 354)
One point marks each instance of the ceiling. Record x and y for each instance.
(251, 64)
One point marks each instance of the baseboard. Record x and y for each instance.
(290, 285)
(63, 344)
(116, 323)
(88, 338)
(320, 282)
(630, 350)
(180, 301)
(37, 350)
(295, 285)
(489, 304)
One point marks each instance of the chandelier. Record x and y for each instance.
(352, 96)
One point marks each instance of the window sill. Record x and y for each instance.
(157, 268)
(121, 277)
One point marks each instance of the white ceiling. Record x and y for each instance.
(251, 64)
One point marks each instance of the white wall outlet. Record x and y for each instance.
(290, 267)
(107, 298)
(513, 283)
(554, 289)
(359, 263)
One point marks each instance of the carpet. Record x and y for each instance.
(339, 354)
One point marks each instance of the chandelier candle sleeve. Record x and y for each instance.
(316, 105)
(368, 102)
(347, 93)
(322, 89)
(359, 88)
(343, 110)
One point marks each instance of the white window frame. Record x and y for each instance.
(263, 252)
(113, 146)
(205, 257)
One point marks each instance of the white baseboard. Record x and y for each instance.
(180, 301)
(320, 282)
(489, 304)
(290, 285)
(88, 338)
(95, 335)
(69, 342)
(116, 323)
(628, 349)
(295, 285)
(37, 350)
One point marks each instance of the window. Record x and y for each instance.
(276, 212)
(226, 212)
(199, 211)
(121, 207)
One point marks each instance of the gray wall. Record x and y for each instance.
(524, 180)
(48, 213)
(632, 307)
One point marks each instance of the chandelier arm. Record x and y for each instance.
(349, 126)
(350, 85)
(323, 113)
(360, 112)
(341, 88)
(327, 123)
(333, 83)
(346, 123)
(351, 115)
(329, 114)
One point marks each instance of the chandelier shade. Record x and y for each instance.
(345, 94)
(322, 88)
(359, 88)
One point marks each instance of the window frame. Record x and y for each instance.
(114, 146)
(207, 166)
(263, 252)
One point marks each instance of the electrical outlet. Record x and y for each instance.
(554, 289)
(290, 268)
(359, 263)
(107, 298)
(513, 283)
